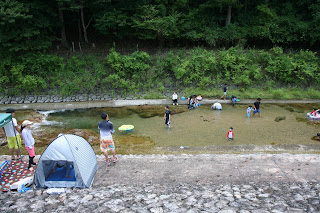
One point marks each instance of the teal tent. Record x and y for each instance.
(6, 118)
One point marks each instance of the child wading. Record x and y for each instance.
(28, 141)
(230, 134)
(167, 116)
(249, 109)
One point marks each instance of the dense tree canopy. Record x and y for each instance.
(247, 43)
(36, 24)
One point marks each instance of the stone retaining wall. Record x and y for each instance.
(57, 99)
(50, 102)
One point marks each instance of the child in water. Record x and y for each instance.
(249, 109)
(230, 134)
(314, 112)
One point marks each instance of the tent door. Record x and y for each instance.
(58, 170)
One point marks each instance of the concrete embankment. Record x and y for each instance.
(122, 103)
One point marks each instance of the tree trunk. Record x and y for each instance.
(79, 30)
(229, 15)
(64, 42)
(84, 27)
(246, 5)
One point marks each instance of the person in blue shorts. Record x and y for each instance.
(257, 107)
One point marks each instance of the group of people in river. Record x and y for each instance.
(194, 101)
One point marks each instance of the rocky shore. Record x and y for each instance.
(184, 198)
(257, 183)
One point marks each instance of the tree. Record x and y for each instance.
(25, 25)
(64, 41)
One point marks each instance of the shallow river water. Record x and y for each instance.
(199, 127)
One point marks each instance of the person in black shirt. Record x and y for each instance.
(167, 116)
(257, 106)
(225, 88)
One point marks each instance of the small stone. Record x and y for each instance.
(250, 196)
(263, 195)
(298, 197)
(164, 197)
(157, 210)
(227, 211)
(86, 198)
(171, 206)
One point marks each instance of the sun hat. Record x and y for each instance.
(26, 123)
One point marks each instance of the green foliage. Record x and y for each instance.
(127, 70)
(196, 68)
(25, 25)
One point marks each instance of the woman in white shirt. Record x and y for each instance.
(28, 141)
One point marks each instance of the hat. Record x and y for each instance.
(10, 110)
(26, 123)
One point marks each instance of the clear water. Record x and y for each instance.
(199, 127)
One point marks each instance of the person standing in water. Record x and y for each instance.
(257, 106)
(249, 109)
(106, 141)
(230, 134)
(167, 116)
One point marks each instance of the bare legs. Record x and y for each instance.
(12, 153)
(113, 154)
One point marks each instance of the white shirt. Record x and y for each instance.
(249, 109)
(217, 106)
(27, 138)
(106, 129)
(10, 129)
(174, 96)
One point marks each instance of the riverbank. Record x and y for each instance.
(38, 103)
(187, 183)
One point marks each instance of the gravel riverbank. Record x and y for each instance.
(256, 183)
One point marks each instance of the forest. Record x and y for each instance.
(128, 46)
